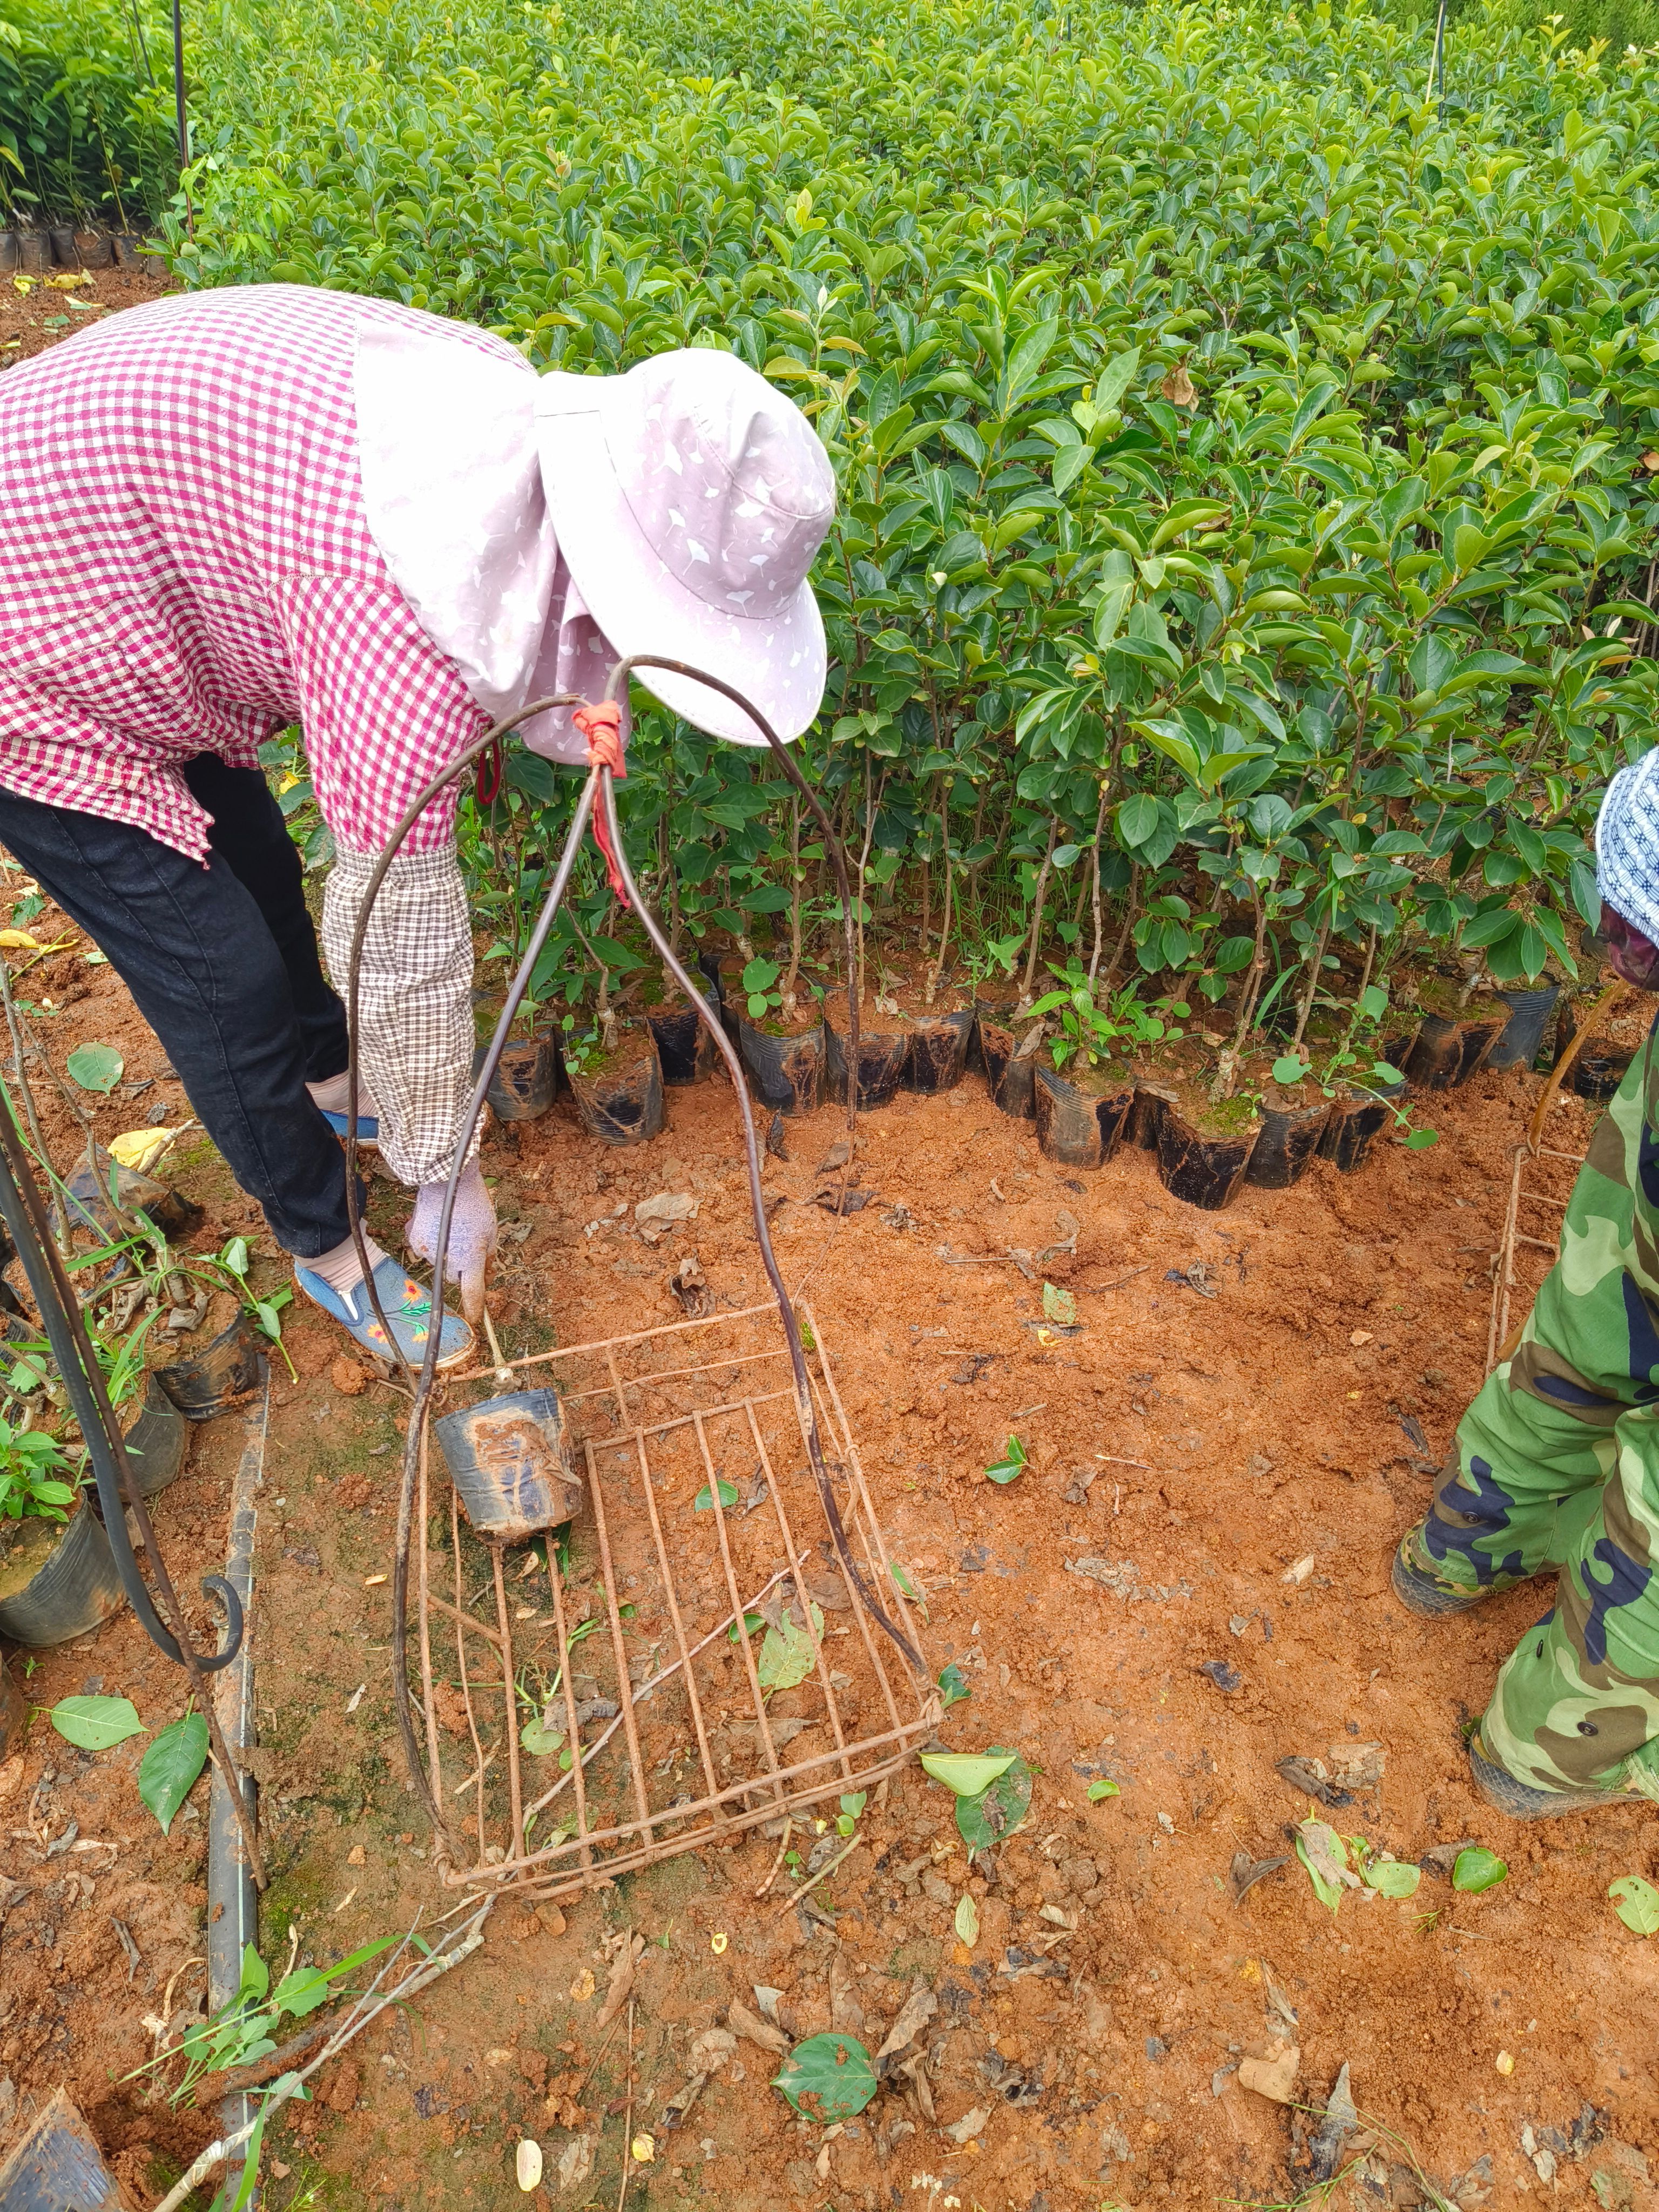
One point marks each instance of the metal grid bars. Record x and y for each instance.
(1502, 1333)
(1545, 1209)
(691, 1656)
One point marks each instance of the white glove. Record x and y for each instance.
(471, 1235)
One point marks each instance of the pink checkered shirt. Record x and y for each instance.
(186, 565)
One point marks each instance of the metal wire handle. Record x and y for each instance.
(597, 791)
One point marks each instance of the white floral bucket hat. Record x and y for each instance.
(688, 500)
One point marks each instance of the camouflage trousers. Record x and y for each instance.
(1556, 1469)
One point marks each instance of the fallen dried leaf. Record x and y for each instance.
(756, 2030)
(1357, 1766)
(713, 2049)
(582, 1987)
(1246, 1872)
(527, 2163)
(1273, 2076)
(1298, 1574)
(970, 2124)
(622, 1981)
(1308, 1778)
(1177, 388)
(657, 1218)
(1340, 2121)
(575, 2162)
(914, 2014)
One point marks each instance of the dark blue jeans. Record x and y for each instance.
(221, 962)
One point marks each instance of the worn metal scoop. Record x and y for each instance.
(509, 1459)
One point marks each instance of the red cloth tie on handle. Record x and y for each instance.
(601, 725)
(487, 776)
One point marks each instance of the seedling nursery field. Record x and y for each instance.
(1239, 598)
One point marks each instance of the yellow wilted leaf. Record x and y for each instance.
(140, 1149)
(18, 940)
(1177, 388)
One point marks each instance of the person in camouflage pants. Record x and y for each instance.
(1555, 1468)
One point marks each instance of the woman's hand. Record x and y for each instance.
(471, 1235)
(1631, 956)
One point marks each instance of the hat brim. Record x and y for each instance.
(778, 661)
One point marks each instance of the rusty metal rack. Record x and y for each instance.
(622, 1639)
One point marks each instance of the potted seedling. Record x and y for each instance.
(1083, 1075)
(1004, 1041)
(58, 1574)
(1343, 1069)
(781, 1040)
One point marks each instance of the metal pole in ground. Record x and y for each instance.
(233, 1900)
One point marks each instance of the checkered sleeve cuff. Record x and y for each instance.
(415, 1001)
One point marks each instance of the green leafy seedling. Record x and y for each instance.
(1637, 1904)
(95, 1724)
(953, 1688)
(1103, 1788)
(751, 1621)
(1058, 1307)
(169, 1768)
(965, 1772)
(1477, 1868)
(903, 1582)
(982, 1821)
(704, 1502)
(828, 2078)
(1011, 1465)
(852, 1802)
(759, 997)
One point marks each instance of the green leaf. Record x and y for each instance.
(1010, 1467)
(301, 1991)
(952, 1686)
(169, 1768)
(95, 1724)
(1392, 1877)
(1478, 1869)
(1637, 1904)
(95, 1067)
(787, 1653)
(1325, 1855)
(1103, 1788)
(256, 1977)
(1058, 1307)
(968, 1773)
(704, 1502)
(1137, 820)
(828, 2078)
(540, 1737)
(1289, 1068)
(967, 1920)
(751, 1621)
(982, 1821)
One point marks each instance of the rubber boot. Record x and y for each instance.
(1522, 1801)
(1422, 1591)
